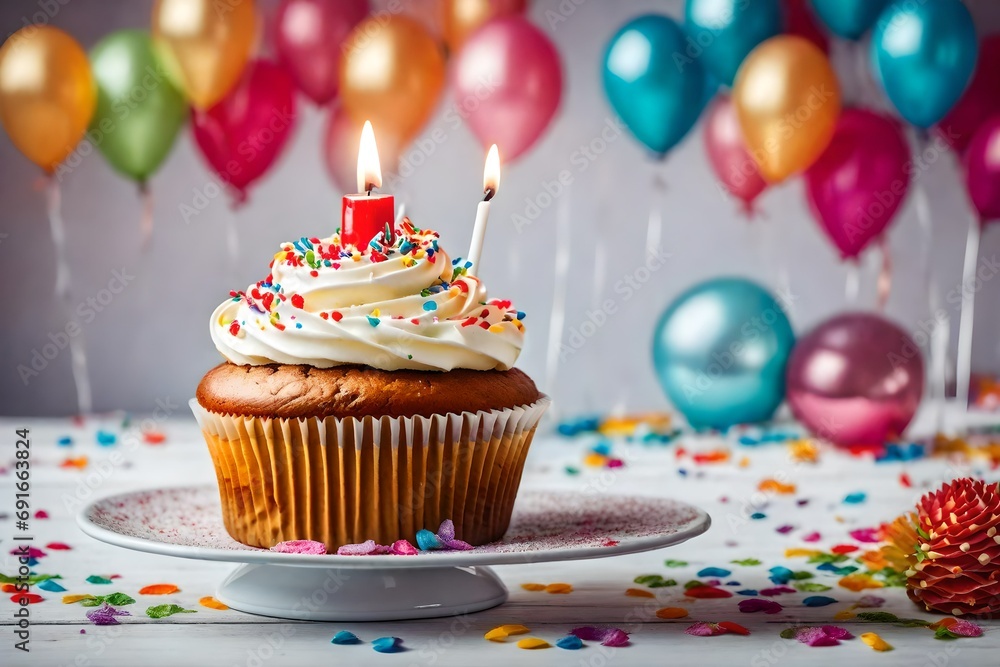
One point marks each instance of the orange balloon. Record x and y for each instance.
(207, 43)
(788, 101)
(391, 73)
(461, 18)
(47, 93)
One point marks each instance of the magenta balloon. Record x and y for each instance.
(728, 154)
(508, 83)
(982, 170)
(855, 379)
(858, 184)
(979, 101)
(308, 36)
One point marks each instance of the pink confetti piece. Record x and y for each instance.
(30, 552)
(965, 628)
(777, 590)
(812, 537)
(300, 547)
(58, 546)
(870, 602)
(367, 548)
(815, 637)
(403, 548)
(41, 514)
(784, 530)
(837, 632)
(756, 604)
(457, 545)
(869, 535)
(705, 630)
(106, 615)
(613, 637)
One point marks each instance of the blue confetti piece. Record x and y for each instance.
(855, 498)
(780, 574)
(749, 591)
(521, 315)
(818, 601)
(758, 516)
(32, 562)
(374, 321)
(345, 638)
(733, 583)
(840, 571)
(682, 472)
(51, 586)
(714, 572)
(388, 645)
(64, 441)
(570, 643)
(106, 438)
(430, 306)
(428, 541)
(748, 440)
(298, 325)
(603, 448)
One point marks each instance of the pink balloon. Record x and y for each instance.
(979, 101)
(308, 36)
(243, 135)
(855, 379)
(800, 20)
(508, 82)
(727, 153)
(982, 170)
(859, 183)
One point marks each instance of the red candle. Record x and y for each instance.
(364, 215)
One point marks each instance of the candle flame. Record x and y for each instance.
(369, 169)
(491, 173)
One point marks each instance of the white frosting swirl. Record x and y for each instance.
(394, 306)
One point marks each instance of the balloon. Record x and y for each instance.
(982, 170)
(924, 54)
(391, 73)
(980, 100)
(46, 93)
(659, 99)
(208, 43)
(849, 19)
(799, 20)
(728, 155)
(722, 32)
(340, 151)
(855, 379)
(788, 101)
(859, 183)
(461, 18)
(519, 70)
(243, 135)
(308, 35)
(139, 110)
(720, 352)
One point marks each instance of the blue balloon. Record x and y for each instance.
(658, 97)
(720, 351)
(849, 18)
(924, 55)
(722, 32)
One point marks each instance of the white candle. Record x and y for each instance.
(491, 183)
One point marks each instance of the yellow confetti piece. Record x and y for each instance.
(72, 599)
(845, 615)
(496, 328)
(859, 582)
(880, 559)
(595, 460)
(774, 486)
(804, 451)
(559, 588)
(212, 603)
(533, 643)
(533, 587)
(638, 593)
(876, 642)
(496, 635)
(745, 462)
(671, 612)
(514, 629)
(801, 553)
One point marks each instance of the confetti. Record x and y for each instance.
(96, 579)
(746, 562)
(869, 601)
(532, 643)
(877, 617)
(876, 642)
(533, 587)
(812, 537)
(756, 604)
(844, 615)
(607, 636)
(158, 589)
(713, 572)
(703, 592)
(388, 645)
(810, 587)
(654, 581)
(702, 629)
(869, 535)
(757, 516)
(72, 599)
(776, 590)
(80, 463)
(106, 438)
(675, 563)
(858, 582)
(41, 514)
(106, 615)
(153, 437)
(211, 603)
(815, 637)
(734, 628)
(366, 548)
(964, 628)
(345, 638)
(164, 610)
(304, 547)
(774, 486)
(58, 546)
(114, 599)
(559, 588)
(671, 613)
(638, 593)
(26, 598)
(51, 586)
(855, 498)
(818, 601)
(570, 643)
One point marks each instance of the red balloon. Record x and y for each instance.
(856, 379)
(982, 170)
(308, 36)
(727, 153)
(979, 101)
(508, 83)
(243, 135)
(859, 183)
(800, 20)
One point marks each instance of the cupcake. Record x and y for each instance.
(367, 394)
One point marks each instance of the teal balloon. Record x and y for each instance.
(721, 33)
(849, 18)
(139, 109)
(658, 96)
(720, 352)
(924, 54)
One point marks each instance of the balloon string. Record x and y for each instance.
(233, 245)
(77, 349)
(968, 315)
(557, 320)
(853, 286)
(884, 276)
(146, 221)
(654, 227)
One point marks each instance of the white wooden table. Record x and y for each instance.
(62, 635)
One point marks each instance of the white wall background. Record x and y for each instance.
(151, 342)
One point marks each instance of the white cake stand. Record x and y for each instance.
(187, 523)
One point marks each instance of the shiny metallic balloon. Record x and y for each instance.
(856, 379)
(720, 352)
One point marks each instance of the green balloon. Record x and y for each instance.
(139, 109)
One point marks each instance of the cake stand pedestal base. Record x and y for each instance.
(360, 594)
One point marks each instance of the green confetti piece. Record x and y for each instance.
(95, 579)
(570, 470)
(802, 574)
(789, 633)
(32, 578)
(694, 583)
(827, 558)
(810, 587)
(164, 610)
(645, 579)
(746, 562)
(113, 599)
(877, 617)
(944, 633)
(675, 563)
(913, 623)
(663, 583)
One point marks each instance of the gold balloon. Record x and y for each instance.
(47, 93)
(207, 44)
(460, 18)
(391, 73)
(788, 102)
